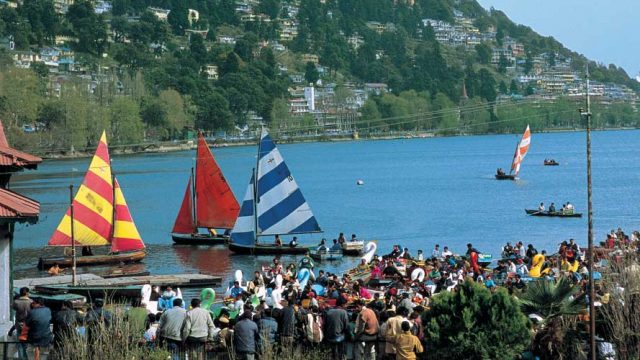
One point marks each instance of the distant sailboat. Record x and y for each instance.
(521, 151)
(100, 217)
(273, 205)
(208, 203)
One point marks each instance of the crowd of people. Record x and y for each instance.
(374, 311)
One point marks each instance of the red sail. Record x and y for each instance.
(184, 222)
(216, 206)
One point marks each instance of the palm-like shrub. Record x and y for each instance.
(474, 323)
(552, 299)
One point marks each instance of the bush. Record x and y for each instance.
(474, 323)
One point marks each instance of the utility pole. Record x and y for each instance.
(592, 312)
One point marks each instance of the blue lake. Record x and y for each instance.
(416, 192)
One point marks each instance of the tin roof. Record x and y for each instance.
(18, 207)
(12, 157)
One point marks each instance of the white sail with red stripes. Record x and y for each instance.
(521, 151)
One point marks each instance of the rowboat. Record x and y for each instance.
(522, 147)
(551, 163)
(98, 215)
(552, 214)
(273, 205)
(208, 203)
(326, 255)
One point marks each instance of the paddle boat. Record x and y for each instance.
(534, 212)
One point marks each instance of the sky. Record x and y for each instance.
(605, 31)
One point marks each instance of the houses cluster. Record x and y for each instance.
(57, 59)
(461, 33)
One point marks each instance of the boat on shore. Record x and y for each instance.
(551, 162)
(208, 203)
(272, 206)
(522, 147)
(534, 212)
(97, 216)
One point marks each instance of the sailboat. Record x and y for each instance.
(273, 205)
(208, 202)
(521, 151)
(100, 217)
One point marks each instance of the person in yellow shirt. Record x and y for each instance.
(407, 344)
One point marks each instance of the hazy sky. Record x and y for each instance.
(605, 31)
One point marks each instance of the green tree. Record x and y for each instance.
(474, 323)
(179, 18)
(270, 7)
(311, 73)
(502, 88)
(513, 87)
(89, 27)
(503, 63)
(231, 64)
(484, 53)
(213, 113)
(528, 63)
(126, 125)
(178, 115)
(487, 85)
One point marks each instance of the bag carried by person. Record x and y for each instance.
(24, 334)
(313, 329)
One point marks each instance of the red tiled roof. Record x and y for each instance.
(12, 157)
(16, 206)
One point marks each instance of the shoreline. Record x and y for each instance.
(185, 145)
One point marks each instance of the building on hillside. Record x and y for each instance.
(211, 71)
(62, 6)
(193, 16)
(102, 7)
(14, 208)
(243, 7)
(376, 26)
(255, 18)
(226, 39)
(296, 78)
(302, 100)
(376, 88)
(288, 29)
(161, 14)
(312, 58)
(355, 41)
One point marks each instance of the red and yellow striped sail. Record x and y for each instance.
(125, 234)
(92, 205)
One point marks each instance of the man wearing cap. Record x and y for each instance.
(246, 337)
(170, 326)
(197, 329)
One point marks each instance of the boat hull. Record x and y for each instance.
(199, 239)
(353, 248)
(264, 249)
(553, 214)
(505, 177)
(67, 261)
(551, 164)
(327, 256)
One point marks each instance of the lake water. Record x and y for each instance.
(416, 192)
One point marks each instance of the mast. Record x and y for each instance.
(193, 198)
(592, 312)
(73, 240)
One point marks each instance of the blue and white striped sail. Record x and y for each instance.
(281, 207)
(244, 230)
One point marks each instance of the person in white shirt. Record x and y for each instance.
(521, 268)
(522, 252)
(446, 252)
(420, 256)
(435, 253)
(541, 207)
(512, 267)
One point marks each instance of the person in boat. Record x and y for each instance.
(521, 268)
(168, 293)
(446, 252)
(507, 250)
(541, 207)
(435, 253)
(552, 208)
(406, 254)
(341, 239)
(86, 251)
(569, 208)
(294, 242)
(278, 241)
(354, 238)
(236, 290)
(276, 268)
(531, 252)
(323, 245)
(395, 253)
(55, 270)
(500, 172)
(336, 245)
(420, 256)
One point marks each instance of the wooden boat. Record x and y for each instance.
(208, 203)
(67, 261)
(551, 163)
(352, 248)
(326, 255)
(533, 212)
(273, 205)
(98, 216)
(522, 147)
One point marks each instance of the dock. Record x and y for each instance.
(92, 280)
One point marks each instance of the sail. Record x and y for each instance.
(125, 234)
(244, 230)
(521, 151)
(216, 206)
(281, 207)
(184, 221)
(92, 205)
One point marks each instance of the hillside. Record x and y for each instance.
(152, 69)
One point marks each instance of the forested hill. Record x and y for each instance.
(155, 67)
